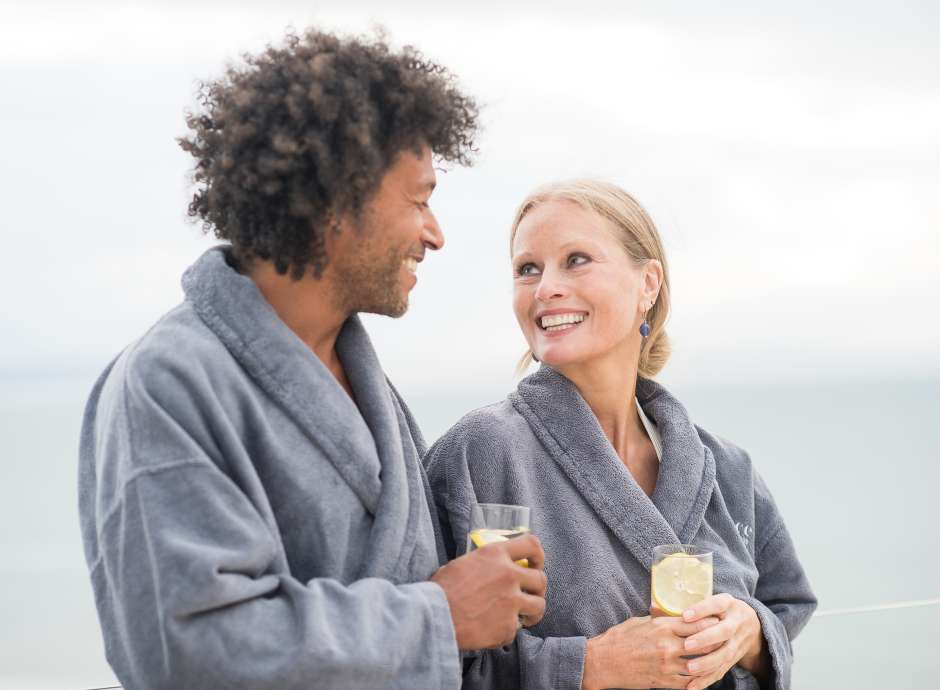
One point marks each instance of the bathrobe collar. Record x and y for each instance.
(566, 426)
(369, 444)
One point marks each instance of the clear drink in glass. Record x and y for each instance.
(492, 523)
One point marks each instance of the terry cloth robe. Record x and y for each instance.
(544, 448)
(246, 524)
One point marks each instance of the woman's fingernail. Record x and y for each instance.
(691, 644)
(693, 668)
(688, 615)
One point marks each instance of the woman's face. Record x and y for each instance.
(577, 294)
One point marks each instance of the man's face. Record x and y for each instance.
(375, 264)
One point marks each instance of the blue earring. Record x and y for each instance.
(645, 326)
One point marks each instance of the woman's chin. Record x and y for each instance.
(559, 356)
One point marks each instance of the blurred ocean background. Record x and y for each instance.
(788, 152)
(853, 465)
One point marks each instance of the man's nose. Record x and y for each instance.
(551, 286)
(432, 236)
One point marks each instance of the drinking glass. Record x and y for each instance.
(681, 576)
(491, 523)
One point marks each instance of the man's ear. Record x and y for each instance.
(338, 227)
(337, 223)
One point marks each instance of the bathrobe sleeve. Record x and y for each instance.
(783, 599)
(197, 586)
(530, 662)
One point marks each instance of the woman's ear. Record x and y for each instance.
(652, 280)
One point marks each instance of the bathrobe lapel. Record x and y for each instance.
(364, 443)
(402, 503)
(568, 429)
(687, 468)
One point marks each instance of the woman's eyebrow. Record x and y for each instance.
(581, 244)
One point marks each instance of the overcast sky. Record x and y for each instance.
(791, 159)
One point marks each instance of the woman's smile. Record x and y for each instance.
(557, 322)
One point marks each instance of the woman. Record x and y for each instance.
(611, 465)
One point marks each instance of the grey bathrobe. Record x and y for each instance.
(544, 448)
(246, 524)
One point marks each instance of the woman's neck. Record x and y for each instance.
(608, 386)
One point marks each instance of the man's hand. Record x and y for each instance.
(488, 593)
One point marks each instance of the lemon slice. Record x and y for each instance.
(679, 581)
(482, 537)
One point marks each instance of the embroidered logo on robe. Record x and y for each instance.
(745, 531)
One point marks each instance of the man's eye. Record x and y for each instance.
(527, 270)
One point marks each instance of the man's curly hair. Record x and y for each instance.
(302, 134)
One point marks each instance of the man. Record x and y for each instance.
(253, 507)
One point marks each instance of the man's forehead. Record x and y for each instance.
(424, 181)
(415, 168)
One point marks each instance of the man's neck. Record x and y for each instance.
(309, 308)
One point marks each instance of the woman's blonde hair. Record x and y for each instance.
(640, 239)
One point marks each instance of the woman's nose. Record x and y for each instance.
(551, 286)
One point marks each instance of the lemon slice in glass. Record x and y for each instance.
(679, 581)
(483, 536)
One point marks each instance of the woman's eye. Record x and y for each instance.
(578, 260)
(527, 270)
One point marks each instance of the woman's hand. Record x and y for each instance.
(642, 653)
(736, 639)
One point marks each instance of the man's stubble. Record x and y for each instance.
(368, 277)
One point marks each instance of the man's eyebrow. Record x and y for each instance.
(421, 188)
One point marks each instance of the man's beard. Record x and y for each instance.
(369, 280)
